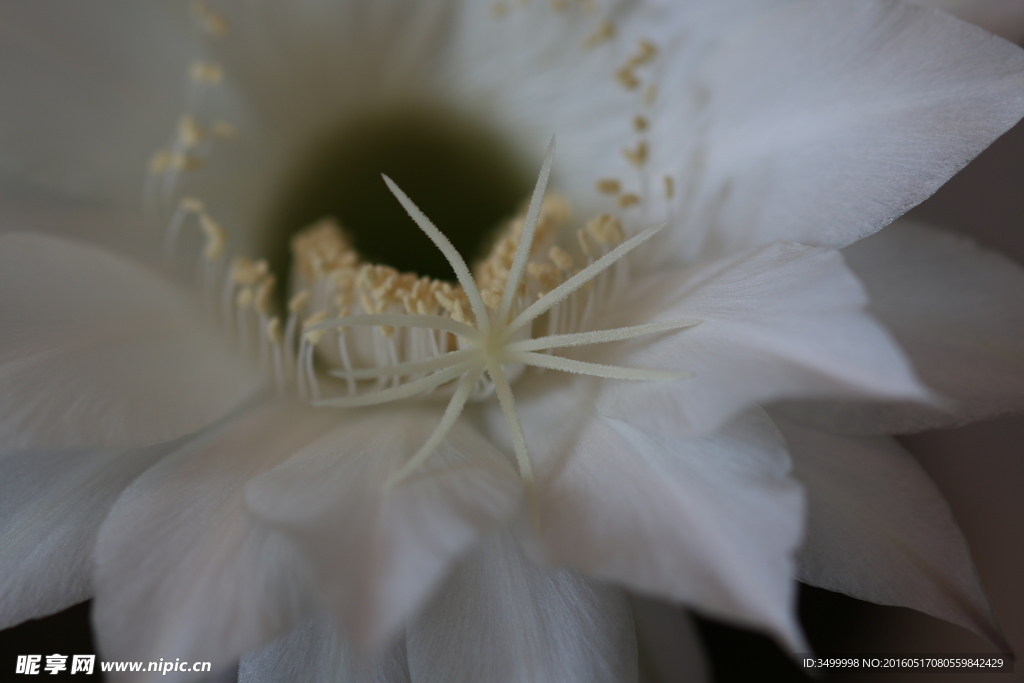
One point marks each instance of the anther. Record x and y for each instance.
(207, 73)
(670, 187)
(560, 257)
(264, 292)
(627, 200)
(299, 301)
(609, 186)
(581, 236)
(225, 130)
(247, 272)
(640, 123)
(190, 133)
(216, 237)
(604, 32)
(650, 95)
(627, 79)
(273, 330)
(606, 229)
(638, 155)
(210, 21)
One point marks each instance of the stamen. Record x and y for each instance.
(435, 322)
(558, 294)
(410, 368)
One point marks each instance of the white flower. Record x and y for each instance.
(149, 461)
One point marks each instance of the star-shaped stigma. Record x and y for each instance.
(494, 341)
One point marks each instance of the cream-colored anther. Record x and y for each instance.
(491, 298)
(499, 9)
(645, 54)
(606, 229)
(627, 79)
(545, 274)
(640, 123)
(313, 336)
(209, 20)
(670, 187)
(274, 331)
(560, 257)
(179, 161)
(160, 161)
(243, 300)
(247, 272)
(216, 237)
(225, 130)
(192, 205)
(637, 155)
(629, 199)
(609, 186)
(650, 95)
(298, 302)
(581, 236)
(207, 73)
(190, 133)
(603, 33)
(264, 292)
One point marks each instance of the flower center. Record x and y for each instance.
(464, 176)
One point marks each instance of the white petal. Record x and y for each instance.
(97, 91)
(823, 121)
(780, 321)
(880, 530)
(51, 506)
(1002, 17)
(96, 352)
(711, 522)
(183, 570)
(500, 618)
(315, 652)
(668, 642)
(957, 311)
(379, 551)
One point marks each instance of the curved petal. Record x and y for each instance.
(379, 550)
(957, 310)
(712, 522)
(823, 121)
(182, 569)
(97, 91)
(96, 352)
(501, 618)
(880, 530)
(1002, 17)
(314, 652)
(670, 647)
(779, 321)
(51, 506)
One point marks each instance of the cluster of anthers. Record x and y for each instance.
(396, 336)
(493, 340)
